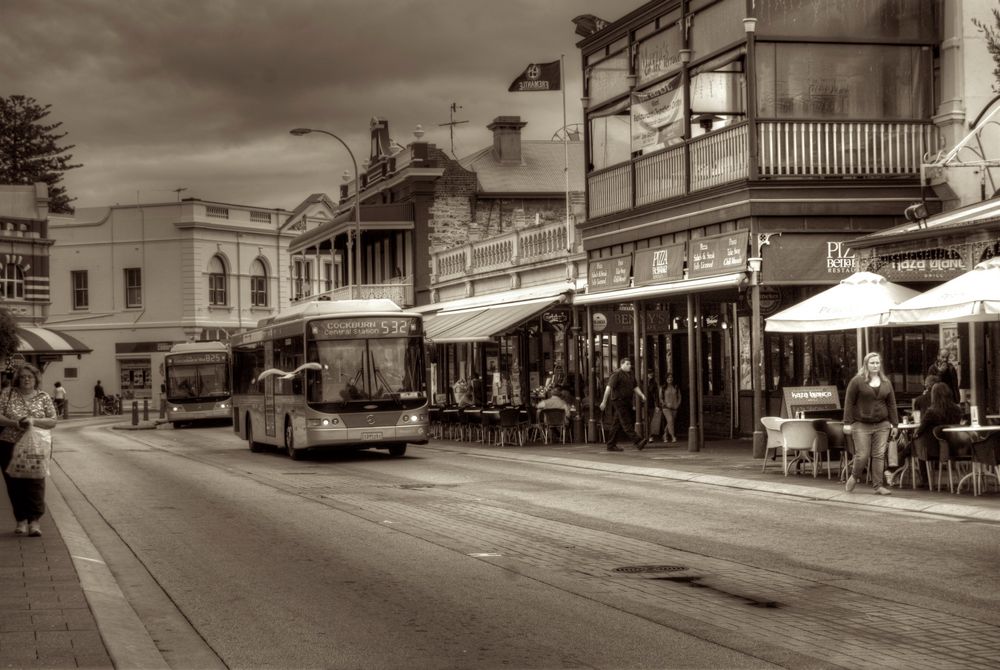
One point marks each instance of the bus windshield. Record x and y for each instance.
(205, 380)
(377, 369)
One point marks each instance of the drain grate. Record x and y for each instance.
(650, 568)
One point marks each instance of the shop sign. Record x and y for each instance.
(609, 273)
(658, 55)
(608, 321)
(933, 264)
(804, 398)
(555, 317)
(662, 264)
(719, 254)
(808, 258)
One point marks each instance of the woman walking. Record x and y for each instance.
(23, 405)
(870, 416)
(670, 401)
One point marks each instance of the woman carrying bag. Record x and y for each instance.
(24, 407)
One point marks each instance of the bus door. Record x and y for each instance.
(269, 409)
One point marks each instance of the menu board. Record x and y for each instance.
(609, 273)
(662, 264)
(719, 254)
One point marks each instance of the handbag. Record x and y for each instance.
(892, 453)
(32, 452)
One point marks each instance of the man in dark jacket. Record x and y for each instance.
(620, 389)
(946, 372)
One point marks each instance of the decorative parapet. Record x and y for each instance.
(518, 248)
(400, 292)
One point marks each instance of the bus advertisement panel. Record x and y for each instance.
(196, 377)
(344, 374)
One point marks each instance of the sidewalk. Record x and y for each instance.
(59, 602)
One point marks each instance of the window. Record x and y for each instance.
(327, 276)
(79, 289)
(12, 282)
(133, 287)
(258, 284)
(216, 281)
(302, 279)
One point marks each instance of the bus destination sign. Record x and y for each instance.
(197, 358)
(365, 327)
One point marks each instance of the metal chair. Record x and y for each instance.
(772, 426)
(927, 448)
(807, 439)
(554, 420)
(957, 450)
(840, 442)
(510, 427)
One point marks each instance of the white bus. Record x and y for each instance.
(335, 374)
(196, 377)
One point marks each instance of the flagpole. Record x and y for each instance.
(562, 86)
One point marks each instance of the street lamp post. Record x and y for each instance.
(356, 271)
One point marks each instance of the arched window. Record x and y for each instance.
(12, 281)
(216, 281)
(258, 284)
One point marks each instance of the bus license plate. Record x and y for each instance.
(371, 435)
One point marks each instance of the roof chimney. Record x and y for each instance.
(507, 138)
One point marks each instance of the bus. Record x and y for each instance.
(346, 374)
(196, 376)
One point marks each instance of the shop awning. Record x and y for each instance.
(699, 285)
(37, 340)
(435, 324)
(482, 325)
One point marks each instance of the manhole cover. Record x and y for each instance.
(650, 568)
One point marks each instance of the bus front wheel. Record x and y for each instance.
(397, 449)
(255, 447)
(293, 453)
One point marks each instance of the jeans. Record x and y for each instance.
(870, 439)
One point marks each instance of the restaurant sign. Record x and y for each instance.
(610, 320)
(805, 398)
(719, 254)
(938, 263)
(807, 258)
(609, 273)
(658, 265)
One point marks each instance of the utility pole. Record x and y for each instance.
(451, 125)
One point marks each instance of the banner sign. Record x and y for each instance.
(658, 116)
(662, 264)
(719, 254)
(658, 55)
(537, 77)
(822, 258)
(609, 273)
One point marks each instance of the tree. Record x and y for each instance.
(992, 35)
(8, 336)
(30, 150)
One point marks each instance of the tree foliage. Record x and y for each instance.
(8, 335)
(992, 35)
(30, 149)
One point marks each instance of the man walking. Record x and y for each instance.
(98, 398)
(620, 389)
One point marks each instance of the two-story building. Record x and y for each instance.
(737, 147)
(129, 281)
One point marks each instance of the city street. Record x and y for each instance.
(469, 556)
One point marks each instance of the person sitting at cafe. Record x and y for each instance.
(942, 411)
(555, 399)
(923, 401)
(468, 399)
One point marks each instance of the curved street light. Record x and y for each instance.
(355, 287)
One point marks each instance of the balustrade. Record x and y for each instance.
(518, 247)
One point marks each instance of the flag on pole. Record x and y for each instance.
(538, 77)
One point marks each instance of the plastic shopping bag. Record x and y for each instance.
(892, 454)
(31, 455)
(656, 423)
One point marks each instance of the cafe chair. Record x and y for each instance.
(985, 458)
(510, 429)
(772, 426)
(840, 445)
(956, 450)
(927, 448)
(808, 443)
(535, 431)
(554, 421)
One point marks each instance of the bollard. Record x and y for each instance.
(145, 409)
(135, 413)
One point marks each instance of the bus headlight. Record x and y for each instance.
(321, 423)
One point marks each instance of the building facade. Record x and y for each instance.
(734, 150)
(132, 280)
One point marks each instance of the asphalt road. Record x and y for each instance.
(457, 558)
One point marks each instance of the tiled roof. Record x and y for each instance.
(540, 170)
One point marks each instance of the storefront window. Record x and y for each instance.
(883, 20)
(835, 81)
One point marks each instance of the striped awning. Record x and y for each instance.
(37, 340)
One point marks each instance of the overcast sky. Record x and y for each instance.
(200, 94)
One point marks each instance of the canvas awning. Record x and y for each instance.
(483, 324)
(698, 285)
(38, 340)
(435, 324)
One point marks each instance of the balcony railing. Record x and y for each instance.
(786, 150)
(513, 249)
(400, 291)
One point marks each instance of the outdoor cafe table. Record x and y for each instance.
(905, 433)
(977, 435)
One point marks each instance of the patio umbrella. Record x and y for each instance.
(859, 301)
(973, 296)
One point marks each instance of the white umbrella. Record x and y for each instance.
(973, 296)
(859, 301)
